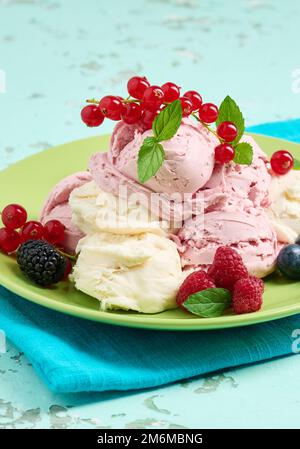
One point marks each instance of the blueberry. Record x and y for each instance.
(288, 261)
(298, 241)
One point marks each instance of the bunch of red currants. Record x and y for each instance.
(18, 230)
(146, 101)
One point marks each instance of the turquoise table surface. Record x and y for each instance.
(56, 53)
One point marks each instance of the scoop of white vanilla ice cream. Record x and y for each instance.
(132, 272)
(94, 210)
(284, 211)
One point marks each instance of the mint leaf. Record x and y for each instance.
(243, 154)
(150, 159)
(296, 164)
(229, 111)
(208, 303)
(167, 122)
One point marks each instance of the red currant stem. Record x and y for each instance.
(92, 101)
(125, 100)
(129, 100)
(207, 127)
(68, 256)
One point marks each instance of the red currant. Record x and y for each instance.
(91, 115)
(195, 98)
(186, 106)
(54, 232)
(68, 269)
(111, 107)
(227, 131)
(208, 112)
(148, 117)
(136, 86)
(32, 230)
(9, 240)
(224, 153)
(282, 162)
(14, 216)
(131, 113)
(153, 98)
(171, 92)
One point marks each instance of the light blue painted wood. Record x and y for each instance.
(54, 54)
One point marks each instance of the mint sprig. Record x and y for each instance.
(152, 154)
(208, 303)
(150, 159)
(243, 154)
(229, 111)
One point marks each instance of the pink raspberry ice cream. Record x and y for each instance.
(188, 166)
(57, 207)
(250, 233)
(243, 186)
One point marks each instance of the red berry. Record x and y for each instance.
(227, 131)
(136, 86)
(282, 162)
(248, 295)
(54, 232)
(186, 106)
(14, 216)
(227, 268)
(131, 113)
(91, 115)
(111, 107)
(32, 230)
(195, 98)
(153, 98)
(68, 269)
(195, 282)
(208, 112)
(171, 92)
(9, 240)
(148, 117)
(224, 153)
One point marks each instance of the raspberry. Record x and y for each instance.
(248, 295)
(195, 282)
(227, 268)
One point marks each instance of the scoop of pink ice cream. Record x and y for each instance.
(242, 186)
(189, 157)
(250, 233)
(188, 166)
(56, 207)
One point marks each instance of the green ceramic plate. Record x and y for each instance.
(28, 183)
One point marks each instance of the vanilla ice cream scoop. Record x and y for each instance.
(56, 207)
(284, 211)
(94, 210)
(249, 233)
(132, 272)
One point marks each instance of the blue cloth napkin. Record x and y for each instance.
(75, 355)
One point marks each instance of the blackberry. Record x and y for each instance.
(41, 262)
